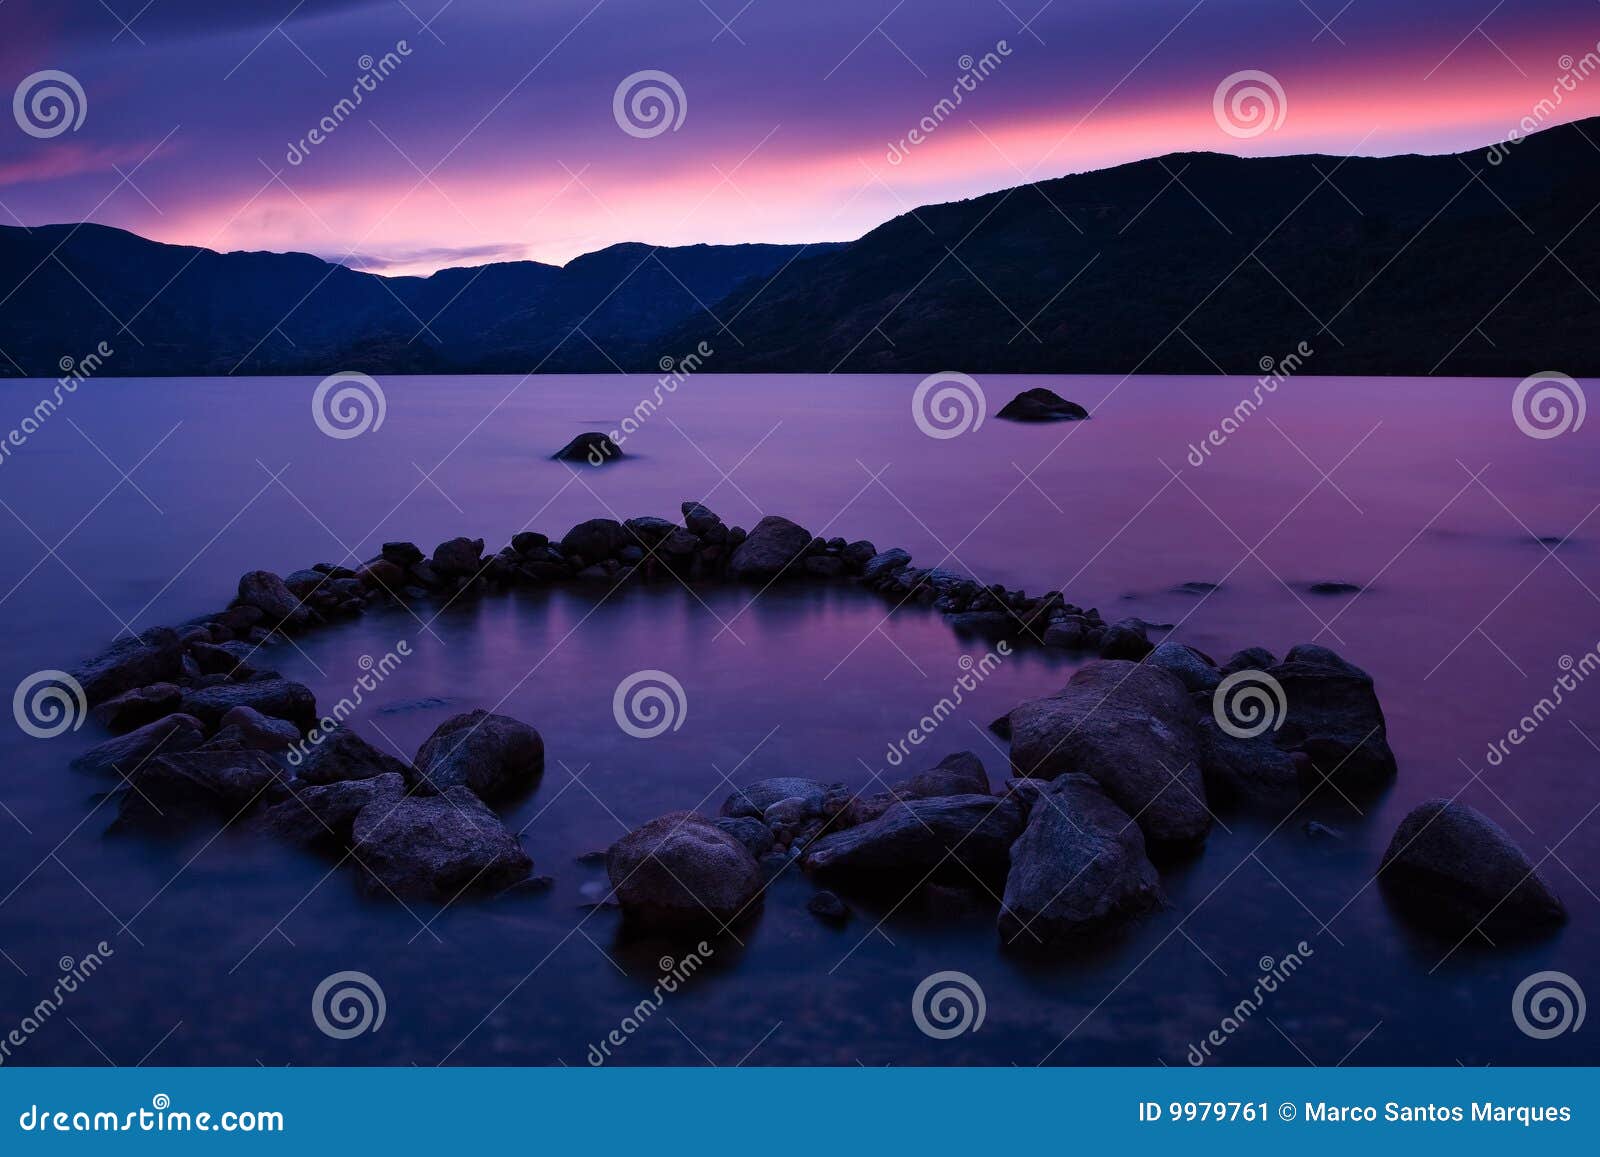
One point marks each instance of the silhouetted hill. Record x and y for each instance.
(1189, 263)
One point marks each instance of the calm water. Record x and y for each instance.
(1435, 500)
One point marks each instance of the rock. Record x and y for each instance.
(1132, 727)
(772, 545)
(1194, 669)
(1454, 869)
(123, 755)
(857, 554)
(436, 848)
(1321, 831)
(593, 447)
(171, 791)
(958, 774)
(382, 575)
(342, 755)
(825, 566)
(306, 584)
(1250, 659)
(323, 816)
(230, 660)
(135, 708)
(1254, 773)
(280, 698)
(496, 756)
(268, 594)
(885, 563)
(1334, 588)
(1334, 717)
(1125, 639)
(752, 833)
(595, 540)
(1068, 633)
(755, 798)
(1077, 868)
(1041, 405)
(402, 554)
(256, 731)
(156, 656)
(951, 837)
(1196, 588)
(683, 871)
(828, 908)
(647, 532)
(529, 542)
(459, 557)
(699, 518)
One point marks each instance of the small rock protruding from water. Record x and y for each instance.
(1042, 405)
(592, 447)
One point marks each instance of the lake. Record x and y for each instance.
(140, 502)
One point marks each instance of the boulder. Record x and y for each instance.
(958, 774)
(1250, 659)
(828, 908)
(459, 557)
(435, 848)
(592, 447)
(123, 755)
(648, 531)
(529, 542)
(1078, 868)
(1132, 727)
(1194, 669)
(323, 816)
(683, 871)
(754, 799)
(381, 574)
(135, 708)
(342, 755)
(752, 833)
(171, 791)
(258, 732)
(772, 545)
(1254, 772)
(495, 756)
(279, 698)
(1333, 717)
(699, 518)
(1453, 869)
(268, 594)
(1041, 405)
(951, 838)
(1125, 639)
(402, 554)
(595, 540)
(885, 563)
(156, 656)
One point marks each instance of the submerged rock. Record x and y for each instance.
(1041, 405)
(496, 756)
(436, 847)
(1077, 868)
(1334, 588)
(1132, 727)
(772, 545)
(683, 871)
(828, 908)
(1452, 868)
(592, 447)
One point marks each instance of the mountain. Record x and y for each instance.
(1201, 263)
(1478, 263)
(193, 311)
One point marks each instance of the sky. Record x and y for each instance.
(494, 132)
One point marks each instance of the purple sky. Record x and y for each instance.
(494, 136)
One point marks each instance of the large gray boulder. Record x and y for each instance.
(948, 838)
(124, 754)
(1452, 868)
(436, 848)
(496, 756)
(156, 656)
(343, 755)
(1078, 868)
(279, 698)
(683, 871)
(772, 546)
(270, 595)
(1334, 718)
(1132, 727)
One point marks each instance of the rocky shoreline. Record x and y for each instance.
(1110, 777)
